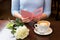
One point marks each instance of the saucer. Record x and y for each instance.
(49, 31)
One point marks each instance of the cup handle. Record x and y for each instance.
(35, 25)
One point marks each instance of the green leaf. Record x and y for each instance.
(13, 31)
(10, 25)
(19, 22)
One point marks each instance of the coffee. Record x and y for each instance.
(44, 23)
(42, 26)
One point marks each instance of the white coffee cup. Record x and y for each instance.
(42, 26)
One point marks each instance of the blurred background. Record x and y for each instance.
(5, 10)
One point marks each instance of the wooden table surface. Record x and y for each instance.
(55, 25)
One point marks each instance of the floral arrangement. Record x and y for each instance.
(18, 29)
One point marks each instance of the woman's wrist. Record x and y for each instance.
(17, 15)
(43, 16)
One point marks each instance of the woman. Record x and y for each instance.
(31, 6)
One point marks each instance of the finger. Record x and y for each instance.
(26, 18)
(26, 21)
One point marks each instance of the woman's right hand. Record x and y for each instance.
(25, 20)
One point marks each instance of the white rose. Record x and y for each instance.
(22, 32)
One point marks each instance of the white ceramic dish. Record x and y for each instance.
(49, 31)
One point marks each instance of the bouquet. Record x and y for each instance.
(18, 29)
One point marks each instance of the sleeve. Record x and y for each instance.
(47, 7)
(15, 6)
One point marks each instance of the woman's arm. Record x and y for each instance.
(46, 11)
(47, 7)
(15, 8)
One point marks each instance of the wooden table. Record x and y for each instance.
(55, 25)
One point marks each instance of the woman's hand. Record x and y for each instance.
(25, 20)
(36, 19)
